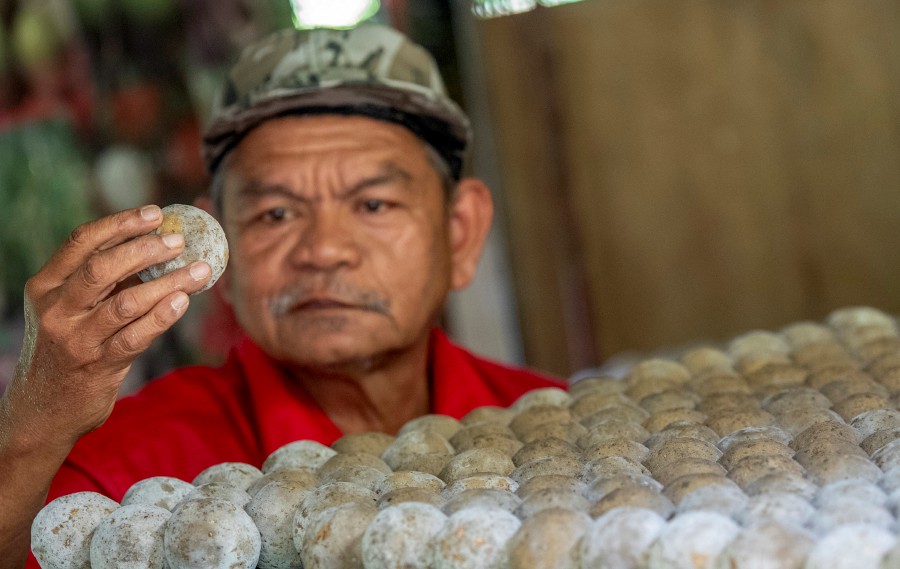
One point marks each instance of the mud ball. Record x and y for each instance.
(204, 240)
(210, 533)
(131, 537)
(61, 532)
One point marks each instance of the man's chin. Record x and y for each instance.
(332, 345)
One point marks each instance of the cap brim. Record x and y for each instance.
(438, 121)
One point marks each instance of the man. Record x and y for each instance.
(336, 161)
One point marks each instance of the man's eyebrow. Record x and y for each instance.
(257, 189)
(390, 172)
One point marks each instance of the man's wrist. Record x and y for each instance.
(24, 435)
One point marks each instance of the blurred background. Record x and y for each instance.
(666, 173)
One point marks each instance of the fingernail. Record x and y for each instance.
(173, 240)
(150, 212)
(199, 271)
(179, 302)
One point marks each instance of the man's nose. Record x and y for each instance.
(327, 242)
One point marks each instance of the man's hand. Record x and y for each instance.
(85, 325)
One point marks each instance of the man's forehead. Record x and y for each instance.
(328, 133)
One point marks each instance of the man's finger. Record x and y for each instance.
(127, 305)
(129, 342)
(98, 275)
(100, 235)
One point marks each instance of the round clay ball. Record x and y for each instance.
(216, 490)
(398, 537)
(272, 509)
(479, 481)
(485, 435)
(564, 465)
(296, 476)
(204, 240)
(324, 497)
(783, 508)
(724, 499)
(361, 475)
(345, 459)
(410, 479)
(477, 461)
(687, 466)
(772, 546)
(405, 449)
(488, 414)
(491, 498)
(603, 486)
(61, 532)
(298, 454)
(850, 547)
(542, 396)
(639, 496)
(549, 538)
(552, 498)
(620, 538)
(692, 539)
(238, 474)
(334, 537)
(162, 491)
(777, 482)
(370, 442)
(556, 481)
(410, 494)
(131, 536)
(473, 538)
(209, 533)
(443, 425)
(545, 448)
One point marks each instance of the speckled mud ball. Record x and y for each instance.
(620, 538)
(204, 240)
(298, 454)
(163, 491)
(210, 533)
(272, 509)
(237, 474)
(398, 537)
(334, 537)
(473, 538)
(691, 541)
(131, 537)
(62, 531)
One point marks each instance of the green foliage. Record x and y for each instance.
(43, 196)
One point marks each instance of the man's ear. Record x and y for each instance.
(205, 203)
(471, 213)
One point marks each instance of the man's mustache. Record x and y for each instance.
(296, 295)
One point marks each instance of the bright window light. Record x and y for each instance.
(494, 8)
(339, 14)
(556, 2)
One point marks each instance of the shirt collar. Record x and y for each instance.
(285, 412)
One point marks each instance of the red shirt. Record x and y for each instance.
(195, 417)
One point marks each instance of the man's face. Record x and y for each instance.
(340, 246)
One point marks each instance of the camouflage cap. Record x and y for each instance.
(370, 70)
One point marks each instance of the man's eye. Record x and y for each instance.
(374, 206)
(274, 215)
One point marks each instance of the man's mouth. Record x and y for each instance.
(300, 300)
(322, 304)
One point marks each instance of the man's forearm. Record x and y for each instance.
(28, 467)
